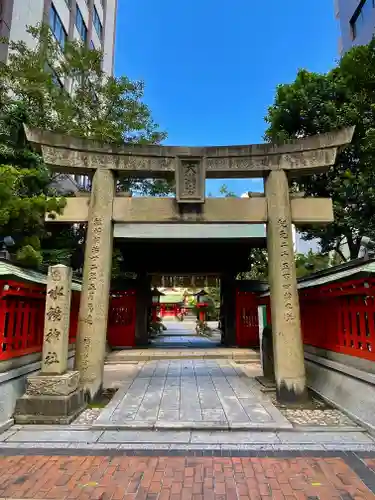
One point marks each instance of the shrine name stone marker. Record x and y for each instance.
(54, 395)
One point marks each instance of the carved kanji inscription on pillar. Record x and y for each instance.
(190, 181)
(57, 320)
(286, 273)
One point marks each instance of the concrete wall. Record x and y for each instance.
(13, 374)
(346, 9)
(345, 381)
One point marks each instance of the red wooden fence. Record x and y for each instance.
(121, 319)
(247, 322)
(21, 318)
(22, 307)
(340, 317)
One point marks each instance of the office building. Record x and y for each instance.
(93, 21)
(357, 22)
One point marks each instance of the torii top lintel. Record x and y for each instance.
(67, 152)
(80, 156)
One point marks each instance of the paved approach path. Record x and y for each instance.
(180, 334)
(180, 341)
(190, 394)
(179, 478)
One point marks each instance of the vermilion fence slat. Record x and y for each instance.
(340, 317)
(22, 308)
(247, 322)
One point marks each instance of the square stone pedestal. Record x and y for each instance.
(50, 399)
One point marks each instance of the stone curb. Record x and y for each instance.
(4, 426)
(192, 426)
(181, 449)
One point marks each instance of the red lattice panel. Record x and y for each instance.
(121, 319)
(247, 321)
(341, 319)
(22, 309)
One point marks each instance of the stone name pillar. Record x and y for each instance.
(286, 326)
(57, 319)
(93, 311)
(54, 395)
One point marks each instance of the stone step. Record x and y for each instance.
(131, 356)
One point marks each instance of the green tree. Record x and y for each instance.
(310, 263)
(225, 191)
(23, 204)
(67, 92)
(315, 103)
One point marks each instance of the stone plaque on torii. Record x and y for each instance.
(190, 166)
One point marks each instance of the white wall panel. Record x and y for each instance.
(96, 39)
(110, 28)
(25, 13)
(76, 35)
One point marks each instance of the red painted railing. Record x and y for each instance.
(121, 319)
(22, 308)
(21, 318)
(247, 322)
(340, 317)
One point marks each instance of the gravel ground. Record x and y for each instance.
(318, 413)
(88, 416)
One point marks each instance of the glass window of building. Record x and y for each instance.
(81, 26)
(98, 24)
(57, 26)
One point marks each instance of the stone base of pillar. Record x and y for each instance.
(291, 396)
(50, 399)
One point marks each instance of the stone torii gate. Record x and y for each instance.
(191, 166)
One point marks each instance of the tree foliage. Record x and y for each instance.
(311, 262)
(23, 204)
(315, 103)
(67, 92)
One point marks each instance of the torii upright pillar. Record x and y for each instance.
(285, 312)
(93, 310)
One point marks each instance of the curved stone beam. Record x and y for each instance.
(301, 156)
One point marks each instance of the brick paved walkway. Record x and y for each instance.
(178, 478)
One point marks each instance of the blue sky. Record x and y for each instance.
(211, 67)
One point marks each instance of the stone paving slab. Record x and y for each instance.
(25, 435)
(137, 355)
(53, 439)
(176, 478)
(191, 394)
(145, 437)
